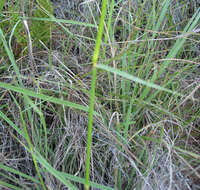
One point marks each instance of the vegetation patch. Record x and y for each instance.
(99, 95)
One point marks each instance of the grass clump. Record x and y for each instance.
(142, 86)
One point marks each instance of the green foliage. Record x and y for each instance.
(41, 30)
(142, 98)
(12, 23)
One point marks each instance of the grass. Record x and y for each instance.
(99, 96)
(92, 94)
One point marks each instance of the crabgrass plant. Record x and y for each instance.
(134, 124)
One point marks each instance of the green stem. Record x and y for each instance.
(92, 93)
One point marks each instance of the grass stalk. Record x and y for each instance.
(92, 93)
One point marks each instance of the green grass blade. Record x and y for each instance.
(11, 57)
(53, 19)
(179, 43)
(11, 170)
(7, 185)
(92, 93)
(44, 97)
(136, 79)
(2, 3)
(12, 33)
(54, 172)
(42, 119)
(19, 131)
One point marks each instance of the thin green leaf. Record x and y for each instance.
(44, 97)
(53, 19)
(54, 172)
(11, 170)
(19, 131)
(136, 79)
(92, 92)
(7, 185)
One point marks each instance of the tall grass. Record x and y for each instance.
(141, 107)
(93, 86)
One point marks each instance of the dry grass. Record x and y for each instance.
(139, 142)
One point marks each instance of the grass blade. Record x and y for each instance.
(136, 79)
(43, 97)
(92, 95)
